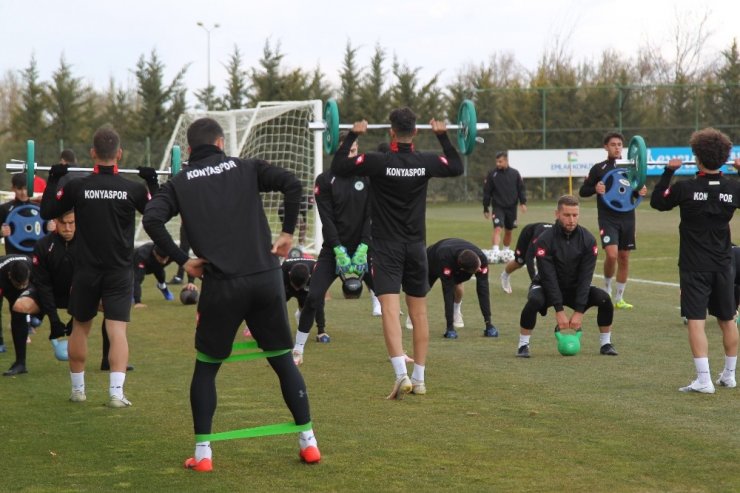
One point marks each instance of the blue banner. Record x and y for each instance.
(665, 154)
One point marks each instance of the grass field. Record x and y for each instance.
(490, 422)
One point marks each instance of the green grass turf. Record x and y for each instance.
(490, 422)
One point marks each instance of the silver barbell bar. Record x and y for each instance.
(21, 166)
(377, 126)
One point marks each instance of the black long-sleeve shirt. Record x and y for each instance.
(398, 184)
(105, 205)
(707, 204)
(7, 288)
(442, 259)
(565, 265)
(146, 263)
(53, 265)
(344, 210)
(595, 175)
(503, 188)
(219, 200)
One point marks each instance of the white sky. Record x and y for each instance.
(103, 38)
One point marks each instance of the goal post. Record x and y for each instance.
(277, 132)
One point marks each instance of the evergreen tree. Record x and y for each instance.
(374, 99)
(237, 85)
(28, 119)
(69, 103)
(349, 88)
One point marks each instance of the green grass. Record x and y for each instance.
(490, 422)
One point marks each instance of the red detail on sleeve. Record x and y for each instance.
(60, 193)
(447, 272)
(596, 251)
(667, 192)
(35, 260)
(483, 270)
(316, 190)
(360, 159)
(541, 252)
(444, 160)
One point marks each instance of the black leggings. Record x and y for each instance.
(538, 302)
(203, 398)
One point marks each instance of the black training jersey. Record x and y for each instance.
(145, 260)
(344, 210)
(288, 264)
(707, 203)
(565, 265)
(53, 265)
(595, 175)
(105, 205)
(442, 259)
(5, 210)
(398, 184)
(503, 188)
(219, 200)
(7, 289)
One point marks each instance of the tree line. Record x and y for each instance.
(560, 104)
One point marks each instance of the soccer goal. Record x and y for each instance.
(278, 133)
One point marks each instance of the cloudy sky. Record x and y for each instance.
(104, 39)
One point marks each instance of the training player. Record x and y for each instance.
(15, 276)
(523, 254)
(298, 277)
(344, 210)
(566, 259)
(149, 260)
(239, 267)
(398, 190)
(105, 205)
(705, 258)
(617, 229)
(453, 261)
(503, 188)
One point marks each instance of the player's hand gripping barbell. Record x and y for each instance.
(467, 127)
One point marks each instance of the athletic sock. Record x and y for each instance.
(399, 366)
(523, 340)
(307, 439)
(702, 370)
(608, 285)
(418, 373)
(506, 248)
(621, 286)
(161, 285)
(203, 451)
(78, 381)
(505, 275)
(605, 338)
(730, 365)
(456, 307)
(300, 341)
(494, 248)
(116, 383)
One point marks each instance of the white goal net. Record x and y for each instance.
(278, 133)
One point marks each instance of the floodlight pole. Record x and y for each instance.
(208, 57)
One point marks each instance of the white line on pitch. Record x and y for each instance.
(647, 281)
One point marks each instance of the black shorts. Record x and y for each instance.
(504, 217)
(617, 231)
(257, 299)
(399, 265)
(537, 301)
(113, 288)
(708, 291)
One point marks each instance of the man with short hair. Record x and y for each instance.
(105, 205)
(398, 190)
(523, 253)
(616, 228)
(503, 189)
(238, 263)
(705, 259)
(15, 277)
(453, 261)
(566, 259)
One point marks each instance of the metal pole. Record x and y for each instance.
(208, 60)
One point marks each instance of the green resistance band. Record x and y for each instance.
(258, 431)
(252, 351)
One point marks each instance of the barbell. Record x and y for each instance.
(467, 127)
(30, 167)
